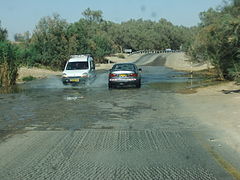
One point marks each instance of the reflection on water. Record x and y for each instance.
(169, 81)
(156, 77)
(10, 90)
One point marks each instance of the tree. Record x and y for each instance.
(8, 64)
(22, 37)
(92, 38)
(93, 16)
(8, 60)
(51, 42)
(100, 46)
(218, 40)
(3, 33)
(236, 3)
(142, 34)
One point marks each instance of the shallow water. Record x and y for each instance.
(48, 104)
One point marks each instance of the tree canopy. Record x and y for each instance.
(3, 33)
(8, 60)
(93, 16)
(218, 40)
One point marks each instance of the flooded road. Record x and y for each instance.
(91, 132)
(48, 104)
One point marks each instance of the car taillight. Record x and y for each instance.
(112, 75)
(134, 75)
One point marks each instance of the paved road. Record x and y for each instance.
(90, 132)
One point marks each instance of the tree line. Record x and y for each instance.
(54, 39)
(218, 40)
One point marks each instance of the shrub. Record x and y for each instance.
(28, 78)
(8, 64)
(121, 56)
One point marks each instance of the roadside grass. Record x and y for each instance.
(206, 74)
(28, 78)
(40, 66)
(121, 56)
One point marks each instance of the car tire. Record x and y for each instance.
(138, 85)
(110, 86)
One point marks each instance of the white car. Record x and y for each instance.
(78, 68)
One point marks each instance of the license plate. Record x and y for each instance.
(122, 75)
(74, 80)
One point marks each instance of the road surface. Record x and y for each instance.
(49, 131)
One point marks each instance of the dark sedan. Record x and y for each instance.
(123, 74)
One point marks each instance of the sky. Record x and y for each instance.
(19, 16)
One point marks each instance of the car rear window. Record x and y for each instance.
(77, 65)
(124, 67)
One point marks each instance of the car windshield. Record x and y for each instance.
(124, 67)
(77, 65)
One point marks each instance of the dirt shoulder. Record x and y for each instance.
(217, 110)
(35, 72)
(210, 105)
(180, 61)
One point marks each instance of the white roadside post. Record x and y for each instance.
(191, 75)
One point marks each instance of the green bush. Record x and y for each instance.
(217, 41)
(8, 64)
(28, 78)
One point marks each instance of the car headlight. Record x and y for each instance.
(64, 75)
(84, 75)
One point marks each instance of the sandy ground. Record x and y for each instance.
(217, 110)
(180, 61)
(210, 105)
(114, 59)
(35, 72)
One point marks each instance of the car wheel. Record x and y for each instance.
(138, 85)
(110, 86)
